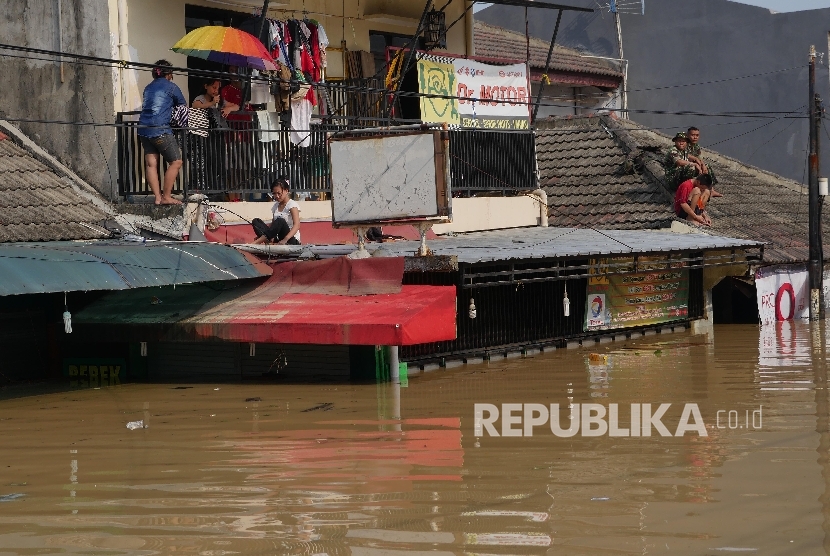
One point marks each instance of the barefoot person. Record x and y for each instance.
(691, 199)
(155, 133)
(285, 225)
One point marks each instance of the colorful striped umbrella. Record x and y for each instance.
(225, 45)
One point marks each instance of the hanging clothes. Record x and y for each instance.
(260, 90)
(301, 122)
(323, 39)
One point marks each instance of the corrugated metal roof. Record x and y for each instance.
(112, 265)
(550, 243)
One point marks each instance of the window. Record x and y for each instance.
(379, 42)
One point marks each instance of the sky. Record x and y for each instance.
(777, 5)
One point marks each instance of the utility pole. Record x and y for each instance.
(624, 84)
(816, 263)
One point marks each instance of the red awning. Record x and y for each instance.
(334, 301)
(416, 315)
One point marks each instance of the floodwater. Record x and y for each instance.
(330, 468)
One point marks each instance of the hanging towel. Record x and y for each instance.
(301, 122)
(269, 126)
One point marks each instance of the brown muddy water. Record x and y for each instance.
(328, 468)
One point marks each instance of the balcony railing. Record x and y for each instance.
(243, 159)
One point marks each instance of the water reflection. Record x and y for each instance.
(376, 470)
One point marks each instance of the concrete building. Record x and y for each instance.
(40, 88)
(707, 56)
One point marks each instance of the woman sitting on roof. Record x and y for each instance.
(285, 226)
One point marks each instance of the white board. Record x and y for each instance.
(387, 178)
(783, 293)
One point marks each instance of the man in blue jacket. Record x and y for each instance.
(155, 133)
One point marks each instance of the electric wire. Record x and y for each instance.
(406, 94)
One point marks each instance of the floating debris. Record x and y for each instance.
(323, 406)
(257, 399)
(11, 497)
(132, 425)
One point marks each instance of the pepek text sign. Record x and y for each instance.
(489, 96)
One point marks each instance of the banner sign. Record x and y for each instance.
(657, 293)
(783, 293)
(488, 96)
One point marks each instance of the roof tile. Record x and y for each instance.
(36, 205)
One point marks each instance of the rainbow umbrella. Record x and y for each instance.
(225, 45)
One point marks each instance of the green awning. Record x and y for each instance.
(68, 266)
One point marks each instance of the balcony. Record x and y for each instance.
(243, 159)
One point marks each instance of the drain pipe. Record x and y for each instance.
(543, 207)
(123, 51)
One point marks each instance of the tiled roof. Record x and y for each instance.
(607, 173)
(37, 205)
(582, 168)
(497, 42)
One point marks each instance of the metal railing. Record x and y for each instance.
(239, 159)
(244, 159)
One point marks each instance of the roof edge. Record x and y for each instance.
(81, 187)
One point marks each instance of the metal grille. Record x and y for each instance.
(696, 309)
(492, 161)
(355, 103)
(507, 315)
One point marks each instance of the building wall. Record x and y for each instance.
(155, 25)
(705, 41)
(33, 89)
(88, 93)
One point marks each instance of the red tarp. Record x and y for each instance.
(416, 315)
(334, 301)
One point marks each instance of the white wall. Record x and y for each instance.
(156, 25)
(469, 214)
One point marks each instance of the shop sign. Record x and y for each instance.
(94, 372)
(473, 94)
(783, 293)
(618, 297)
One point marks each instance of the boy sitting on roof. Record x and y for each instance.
(680, 164)
(691, 199)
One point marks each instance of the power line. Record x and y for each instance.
(406, 94)
(712, 82)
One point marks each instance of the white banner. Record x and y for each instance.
(466, 93)
(783, 293)
(502, 92)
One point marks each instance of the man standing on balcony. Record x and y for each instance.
(155, 133)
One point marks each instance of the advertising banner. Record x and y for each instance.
(657, 293)
(488, 96)
(783, 293)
